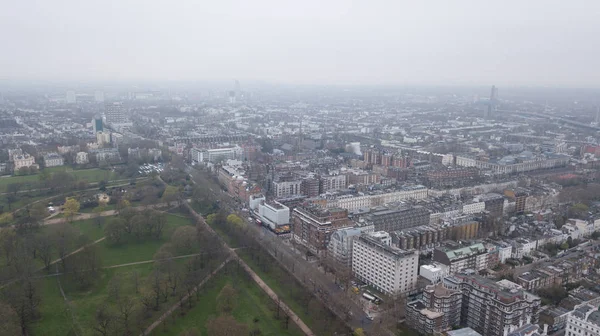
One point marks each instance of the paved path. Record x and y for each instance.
(64, 194)
(178, 304)
(83, 216)
(305, 329)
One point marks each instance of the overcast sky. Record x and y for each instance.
(446, 42)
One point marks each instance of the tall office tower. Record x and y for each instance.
(99, 96)
(71, 97)
(490, 109)
(597, 112)
(97, 124)
(115, 114)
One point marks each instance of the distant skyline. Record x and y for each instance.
(464, 42)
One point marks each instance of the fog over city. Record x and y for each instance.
(299, 168)
(465, 42)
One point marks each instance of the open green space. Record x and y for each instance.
(30, 181)
(83, 227)
(254, 308)
(55, 316)
(56, 319)
(134, 251)
(309, 309)
(83, 304)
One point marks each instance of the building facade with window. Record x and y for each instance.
(388, 269)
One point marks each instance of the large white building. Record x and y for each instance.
(24, 160)
(103, 138)
(388, 269)
(214, 155)
(351, 202)
(583, 321)
(434, 273)
(333, 182)
(53, 160)
(274, 214)
(82, 158)
(473, 207)
(286, 188)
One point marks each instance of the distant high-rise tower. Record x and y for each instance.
(597, 114)
(97, 125)
(99, 96)
(115, 114)
(71, 97)
(491, 107)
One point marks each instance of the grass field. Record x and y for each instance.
(30, 181)
(133, 251)
(56, 318)
(252, 305)
(311, 311)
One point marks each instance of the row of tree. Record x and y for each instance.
(140, 225)
(125, 312)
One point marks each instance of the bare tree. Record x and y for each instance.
(104, 320)
(45, 249)
(126, 309)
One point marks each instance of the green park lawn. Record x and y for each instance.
(252, 305)
(91, 175)
(290, 290)
(58, 317)
(134, 251)
(57, 320)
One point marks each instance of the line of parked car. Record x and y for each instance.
(147, 168)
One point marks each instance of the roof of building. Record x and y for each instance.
(463, 332)
(588, 313)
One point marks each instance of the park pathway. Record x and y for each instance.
(305, 329)
(179, 303)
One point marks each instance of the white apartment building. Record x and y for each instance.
(388, 269)
(504, 252)
(103, 138)
(82, 158)
(584, 320)
(53, 160)
(333, 182)
(198, 155)
(352, 203)
(283, 189)
(464, 161)
(24, 160)
(473, 208)
(214, 155)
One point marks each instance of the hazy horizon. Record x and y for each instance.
(461, 43)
